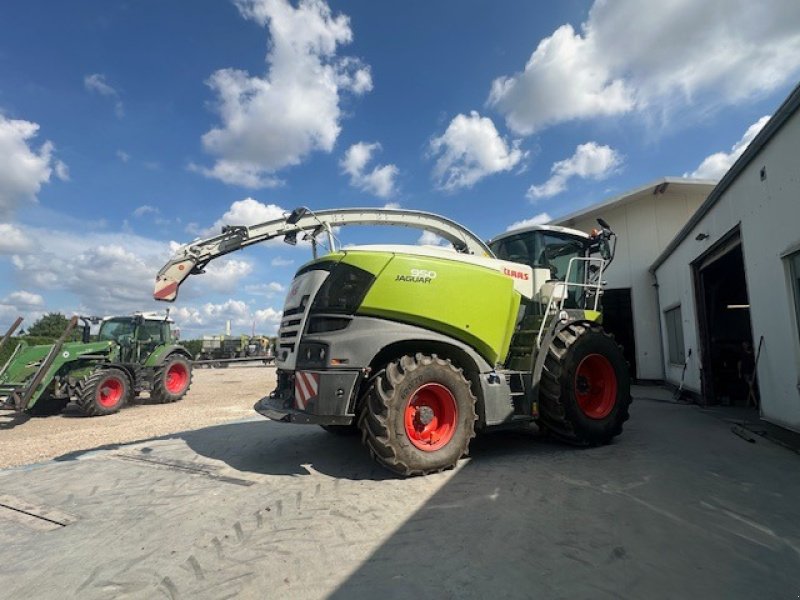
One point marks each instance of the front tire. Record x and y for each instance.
(105, 392)
(171, 380)
(584, 395)
(419, 415)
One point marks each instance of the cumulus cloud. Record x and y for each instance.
(590, 161)
(540, 219)
(471, 149)
(214, 316)
(14, 241)
(107, 273)
(379, 181)
(24, 300)
(717, 164)
(673, 53)
(24, 169)
(270, 290)
(274, 121)
(96, 82)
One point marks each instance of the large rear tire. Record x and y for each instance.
(171, 380)
(585, 393)
(104, 392)
(419, 415)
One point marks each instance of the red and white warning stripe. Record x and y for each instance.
(306, 386)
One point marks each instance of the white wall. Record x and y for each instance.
(644, 226)
(769, 212)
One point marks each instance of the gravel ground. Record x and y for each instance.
(216, 396)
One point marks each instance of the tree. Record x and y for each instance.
(50, 325)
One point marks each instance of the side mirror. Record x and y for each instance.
(603, 223)
(291, 238)
(297, 214)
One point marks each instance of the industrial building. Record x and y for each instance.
(646, 220)
(729, 283)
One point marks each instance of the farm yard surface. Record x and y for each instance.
(678, 506)
(216, 396)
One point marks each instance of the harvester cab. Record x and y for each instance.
(130, 354)
(420, 347)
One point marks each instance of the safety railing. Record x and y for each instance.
(561, 289)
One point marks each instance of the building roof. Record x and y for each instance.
(659, 186)
(785, 110)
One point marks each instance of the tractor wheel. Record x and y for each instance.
(585, 387)
(171, 380)
(419, 415)
(104, 392)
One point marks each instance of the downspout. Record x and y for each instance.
(660, 328)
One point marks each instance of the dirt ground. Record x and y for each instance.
(216, 396)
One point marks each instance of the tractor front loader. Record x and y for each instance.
(418, 347)
(132, 354)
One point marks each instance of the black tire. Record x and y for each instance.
(171, 380)
(104, 392)
(584, 393)
(343, 430)
(388, 399)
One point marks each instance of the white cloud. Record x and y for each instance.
(659, 57)
(717, 164)
(380, 181)
(540, 219)
(275, 121)
(212, 317)
(24, 300)
(393, 205)
(23, 169)
(428, 238)
(123, 156)
(590, 161)
(14, 241)
(108, 273)
(247, 212)
(145, 209)
(96, 82)
(281, 262)
(471, 149)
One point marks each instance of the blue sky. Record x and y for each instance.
(125, 126)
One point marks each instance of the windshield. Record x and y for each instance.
(544, 250)
(113, 329)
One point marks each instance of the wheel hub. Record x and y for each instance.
(431, 415)
(424, 415)
(596, 386)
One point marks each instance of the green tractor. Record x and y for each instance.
(418, 348)
(131, 354)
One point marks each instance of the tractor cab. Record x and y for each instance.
(137, 335)
(564, 262)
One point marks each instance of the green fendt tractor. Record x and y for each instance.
(131, 354)
(421, 347)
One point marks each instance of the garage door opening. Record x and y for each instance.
(728, 356)
(618, 320)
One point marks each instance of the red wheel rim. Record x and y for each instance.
(110, 392)
(176, 379)
(596, 386)
(430, 417)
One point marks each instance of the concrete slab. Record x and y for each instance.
(677, 507)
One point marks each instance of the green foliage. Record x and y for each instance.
(51, 325)
(12, 343)
(193, 346)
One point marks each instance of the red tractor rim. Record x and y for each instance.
(177, 378)
(431, 415)
(596, 386)
(110, 392)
